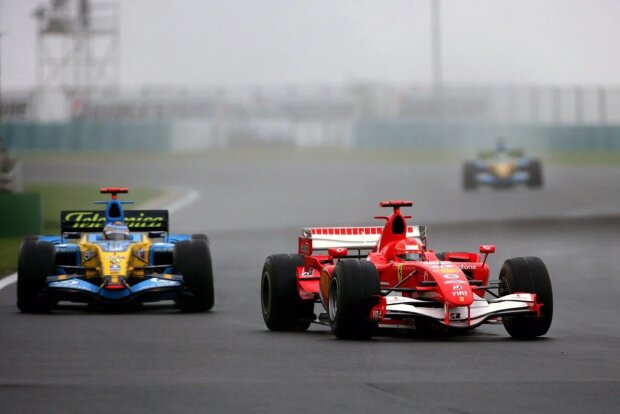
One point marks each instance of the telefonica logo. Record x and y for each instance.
(94, 219)
(84, 219)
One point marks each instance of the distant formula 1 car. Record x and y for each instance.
(502, 168)
(114, 258)
(370, 277)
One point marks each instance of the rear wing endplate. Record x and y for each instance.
(90, 221)
(360, 238)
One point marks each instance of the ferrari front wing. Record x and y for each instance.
(398, 311)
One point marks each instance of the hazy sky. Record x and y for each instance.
(212, 42)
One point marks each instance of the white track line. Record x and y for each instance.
(185, 201)
(173, 207)
(9, 280)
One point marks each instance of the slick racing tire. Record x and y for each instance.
(201, 237)
(535, 170)
(282, 307)
(469, 176)
(354, 289)
(192, 258)
(35, 263)
(529, 275)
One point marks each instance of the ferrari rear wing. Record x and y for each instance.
(359, 238)
(90, 221)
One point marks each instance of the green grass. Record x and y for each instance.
(584, 157)
(57, 197)
(257, 154)
(8, 255)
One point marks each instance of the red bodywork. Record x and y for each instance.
(452, 281)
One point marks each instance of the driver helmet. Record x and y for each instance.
(116, 231)
(408, 250)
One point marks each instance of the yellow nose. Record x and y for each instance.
(502, 170)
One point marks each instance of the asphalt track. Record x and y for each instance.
(160, 360)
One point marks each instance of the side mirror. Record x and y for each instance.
(487, 248)
(156, 234)
(338, 252)
(73, 235)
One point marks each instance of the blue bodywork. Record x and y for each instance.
(77, 284)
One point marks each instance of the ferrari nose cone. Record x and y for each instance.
(453, 285)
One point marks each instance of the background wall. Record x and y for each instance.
(161, 136)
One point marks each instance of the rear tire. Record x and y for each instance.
(282, 307)
(35, 263)
(192, 258)
(354, 289)
(529, 275)
(469, 176)
(535, 170)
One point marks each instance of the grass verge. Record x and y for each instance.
(8, 255)
(57, 197)
(584, 157)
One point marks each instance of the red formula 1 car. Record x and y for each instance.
(370, 277)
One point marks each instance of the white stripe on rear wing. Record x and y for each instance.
(324, 238)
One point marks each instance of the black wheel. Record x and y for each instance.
(354, 289)
(535, 170)
(283, 309)
(192, 259)
(35, 263)
(201, 237)
(529, 275)
(469, 176)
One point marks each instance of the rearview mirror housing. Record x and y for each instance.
(338, 252)
(487, 248)
(156, 234)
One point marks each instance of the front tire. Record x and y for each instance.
(200, 236)
(282, 307)
(354, 289)
(192, 258)
(529, 275)
(469, 176)
(35, 263)
(535, 170)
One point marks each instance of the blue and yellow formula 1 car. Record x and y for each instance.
(114, 258)
(502, 168)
